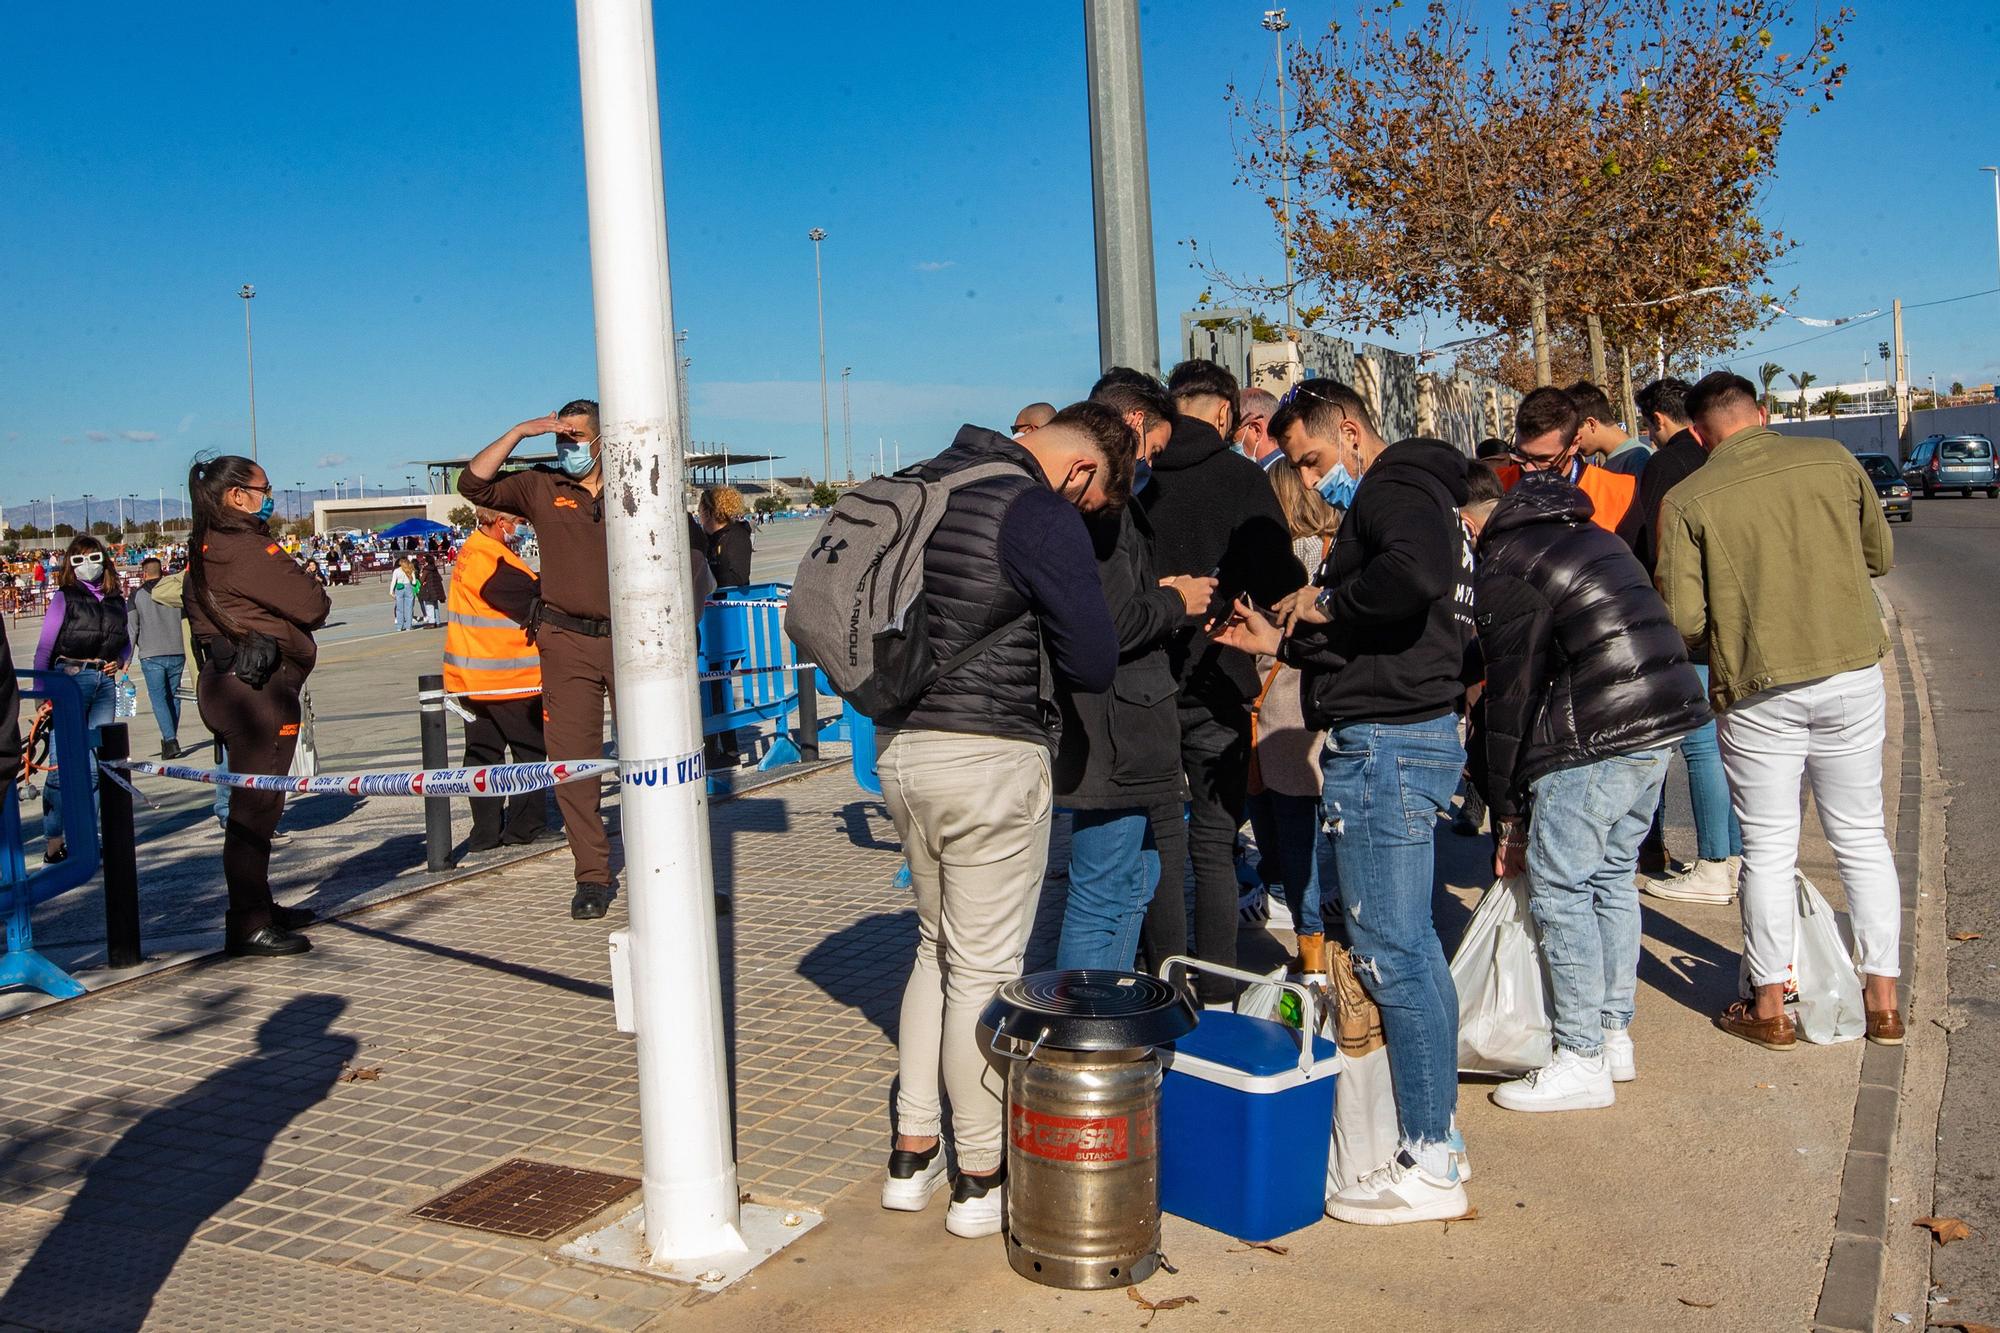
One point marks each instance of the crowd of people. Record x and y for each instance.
(1196, 605)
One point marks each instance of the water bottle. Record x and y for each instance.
(128, 698)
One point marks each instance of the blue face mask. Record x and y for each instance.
(1142, 472)
(574, 458)
(264, 510)
(1338, 487)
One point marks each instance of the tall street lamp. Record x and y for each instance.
(1996, 202)
(247, 292)
(1275, 24)
(816, 235)
(846, 422)
(87, 497)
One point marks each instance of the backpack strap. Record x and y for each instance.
(978, 646)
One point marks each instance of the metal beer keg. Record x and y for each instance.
(1083, 1101)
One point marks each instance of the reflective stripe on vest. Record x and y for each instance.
(485, 654)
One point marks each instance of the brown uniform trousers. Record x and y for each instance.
(576, 685)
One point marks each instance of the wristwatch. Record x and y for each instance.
(1325, 601)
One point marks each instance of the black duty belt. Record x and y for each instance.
(591, 625)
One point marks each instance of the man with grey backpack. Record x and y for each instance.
(946, 602)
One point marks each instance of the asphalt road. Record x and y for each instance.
(1946, 585)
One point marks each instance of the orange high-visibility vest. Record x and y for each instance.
(486, 655)
(1612, 494)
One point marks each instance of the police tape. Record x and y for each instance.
(706, 678)
(754, 601)
(484, 780)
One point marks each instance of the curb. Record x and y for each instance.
(1855, 1264)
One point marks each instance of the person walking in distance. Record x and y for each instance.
(1717, 834)
(252, 611)
(1214, 516)
(430, 590)
(1765, 559)
(966, 774)
(490, 661)
(565, 503)
(156, 642)
(403, 591)
(1587, 688)
(84, 636)
(1382, 644)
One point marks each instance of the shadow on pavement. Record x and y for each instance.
(1702, 974)
(173, 1169)
(865, 966)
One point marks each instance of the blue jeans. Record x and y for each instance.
(163, 683)
(1386, 787)
(1113, 867)
(1583, 845)
(100, 708)
(406, 607)
(1717, 834)
(1287, 831)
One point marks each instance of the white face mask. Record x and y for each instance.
(91, 570)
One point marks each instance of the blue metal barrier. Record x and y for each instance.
(20, 890)
(743, 631)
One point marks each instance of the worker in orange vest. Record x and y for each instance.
(1545, 440)
(491, 661)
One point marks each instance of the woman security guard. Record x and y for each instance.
(252, 611)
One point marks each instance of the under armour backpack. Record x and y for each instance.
(857, 605)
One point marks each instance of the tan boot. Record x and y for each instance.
(1312, 955)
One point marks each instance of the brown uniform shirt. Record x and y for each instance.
(569, 528)
(261, 588)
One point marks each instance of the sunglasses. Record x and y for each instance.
(76, 561)
(1311, 388)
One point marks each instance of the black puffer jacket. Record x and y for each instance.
(1582, 661)
(1121, 748)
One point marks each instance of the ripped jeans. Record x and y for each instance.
(1386, 786)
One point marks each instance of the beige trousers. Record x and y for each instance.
(973, 814)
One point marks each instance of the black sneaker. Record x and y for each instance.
(591, 902)
(978, 1204)
(913, 1178)
(170, 750)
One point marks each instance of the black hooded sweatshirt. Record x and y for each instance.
(1213, 511)
(1399, 593)
(1582, 661)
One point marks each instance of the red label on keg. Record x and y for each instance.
(1065, 1138)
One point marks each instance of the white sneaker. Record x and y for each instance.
(913, 1177)
(1618, 1054)
(1461, 1160)
(1402, 1191)
(976, 1209)
(1568, 1082)
(1704, 882)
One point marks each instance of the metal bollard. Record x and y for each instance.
(808, 732)
(436, 754)
(119, 854)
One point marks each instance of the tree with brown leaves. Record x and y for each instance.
(1600, 158)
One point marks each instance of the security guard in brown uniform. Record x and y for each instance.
(565, 503)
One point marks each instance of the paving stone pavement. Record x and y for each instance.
(210, 1116)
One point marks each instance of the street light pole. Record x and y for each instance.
(1996, 208)
(1275, 24)
(86, 511)
(1128, 322)
(250, 364)
(846, 423)
(693, 1224)
(681, 363)
(816, 235)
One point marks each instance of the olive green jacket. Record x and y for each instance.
(1765, 557)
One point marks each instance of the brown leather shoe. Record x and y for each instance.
(1885, 1027)
(1773, 1034)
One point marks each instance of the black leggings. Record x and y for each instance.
(259, 729)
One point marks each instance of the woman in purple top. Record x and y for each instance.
(83, 636)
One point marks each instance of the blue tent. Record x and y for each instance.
(415, 527)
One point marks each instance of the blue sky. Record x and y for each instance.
(404, 185)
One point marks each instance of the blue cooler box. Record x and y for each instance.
(1246, 1121)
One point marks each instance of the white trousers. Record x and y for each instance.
(1830, 732)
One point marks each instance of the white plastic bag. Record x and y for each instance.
(1829, 985)
(1365, 1135)
(1504, 1021)
(1262, 1001)
(305, 756)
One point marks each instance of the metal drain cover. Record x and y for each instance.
(536, 1200)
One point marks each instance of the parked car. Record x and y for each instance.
(1962, 463)
(1893, 491)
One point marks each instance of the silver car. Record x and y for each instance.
(1962, 463)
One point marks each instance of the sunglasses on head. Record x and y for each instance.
(1312, 389)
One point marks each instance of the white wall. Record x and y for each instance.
(1877, 434)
